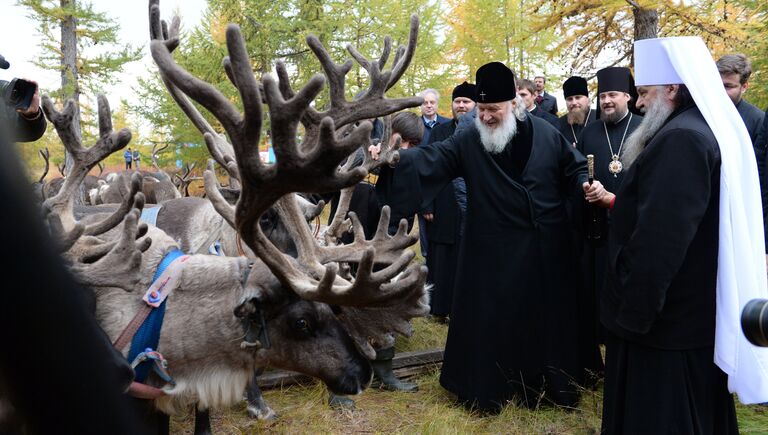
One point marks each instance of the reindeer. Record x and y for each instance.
(183, 181)
(157, 185)
(222, 151)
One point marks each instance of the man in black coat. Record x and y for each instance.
(526, 89)
(547, 102)
(735, 70)
(445, 222)
(580, 113)
(514, 324)
(26, 125)
(658, 303)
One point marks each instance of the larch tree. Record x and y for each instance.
(597, 34)
(70, 32)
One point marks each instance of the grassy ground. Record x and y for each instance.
(304, 409)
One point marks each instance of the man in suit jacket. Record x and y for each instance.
(545, 101)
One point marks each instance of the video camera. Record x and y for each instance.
(754, 322)
(17, 93)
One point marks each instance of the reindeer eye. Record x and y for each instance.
(302, 325)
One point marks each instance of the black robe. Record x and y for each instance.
(593, 141)
(444, 234)
(659, 298)
(593, 252)
(573, 132)
(753, 118)
(398, 188)
(762, 144)
(550, 118)
(514, 325)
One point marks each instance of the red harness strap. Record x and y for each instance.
(144, 391)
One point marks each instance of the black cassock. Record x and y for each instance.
(550, 118)
(594, 141)
(658, 303)
(398, 188)
(444, 234)
(573, 132)
(514, 325)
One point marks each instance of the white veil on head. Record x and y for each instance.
(741, 269)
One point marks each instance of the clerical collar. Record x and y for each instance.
(622, 118)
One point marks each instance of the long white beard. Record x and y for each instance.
(496, 139)
(654, 117)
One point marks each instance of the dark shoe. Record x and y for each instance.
(384, 378)
(340, 403)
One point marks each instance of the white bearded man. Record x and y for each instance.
(513, 332)
(685, 254)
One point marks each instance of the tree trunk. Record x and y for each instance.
(646, 25)
(69, 75)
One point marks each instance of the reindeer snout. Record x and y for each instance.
(355, 379)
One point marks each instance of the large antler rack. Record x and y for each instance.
(310, 166)
(221, 150)
(96, 262)
(84, 158)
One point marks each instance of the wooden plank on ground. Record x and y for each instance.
(405, 364)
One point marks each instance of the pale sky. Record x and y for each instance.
(19, 40)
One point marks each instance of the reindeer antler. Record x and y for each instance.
(310, 166)
(115, 264)
(46, 155)
(84, 158)
(220, 149)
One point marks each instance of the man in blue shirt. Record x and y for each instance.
(128, 155)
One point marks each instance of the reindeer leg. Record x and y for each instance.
(203, 422)
(257, 406)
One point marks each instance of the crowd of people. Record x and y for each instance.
(536, 261)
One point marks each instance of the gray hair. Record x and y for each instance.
(735, 63)
(434, 92)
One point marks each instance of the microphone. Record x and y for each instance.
(4, 63)
(591, 168)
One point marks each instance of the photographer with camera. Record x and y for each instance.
(20, 111)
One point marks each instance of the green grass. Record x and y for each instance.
(431, 410)
(303, 409)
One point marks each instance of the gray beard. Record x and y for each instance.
(494, 140)
(654, 117)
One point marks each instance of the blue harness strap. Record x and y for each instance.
(149, 214)
(148, 335)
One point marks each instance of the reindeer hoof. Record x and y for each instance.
(263, 414)
(341, 403)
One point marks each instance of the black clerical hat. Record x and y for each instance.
(615, 78)
(575, 86)
(495, 83)
(466, 90)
